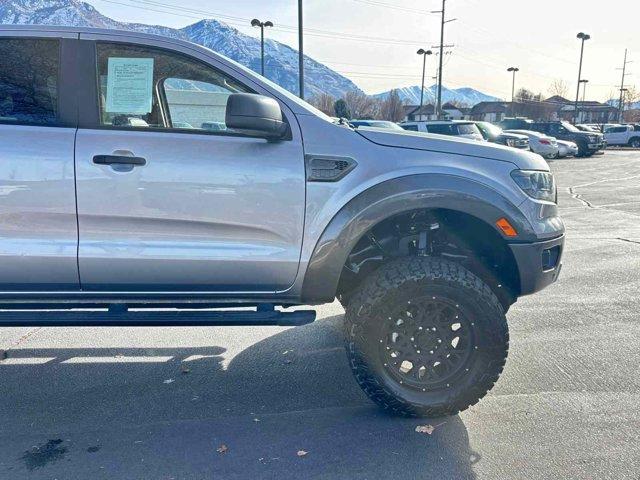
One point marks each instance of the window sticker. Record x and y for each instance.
(129, 85)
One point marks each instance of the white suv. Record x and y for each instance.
(622, 135)
(456, 128)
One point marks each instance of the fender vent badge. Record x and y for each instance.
(328, 169)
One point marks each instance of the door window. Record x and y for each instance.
(29, 80)
(143, 87)
(444, 129)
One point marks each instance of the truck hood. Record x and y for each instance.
(456, 146)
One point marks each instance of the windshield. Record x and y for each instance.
(491, 129)
(468, 129)
(569, 127)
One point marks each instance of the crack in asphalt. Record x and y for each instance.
(578, 196)
(637, 242)
(5, 351)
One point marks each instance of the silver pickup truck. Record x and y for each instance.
(150, 181)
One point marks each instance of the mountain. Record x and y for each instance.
(281, 61)
(466, 95)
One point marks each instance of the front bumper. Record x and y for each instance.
(539, 263)
(596, 146)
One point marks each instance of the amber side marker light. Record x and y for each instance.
(506, 228)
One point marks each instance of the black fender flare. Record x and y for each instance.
(393, 197)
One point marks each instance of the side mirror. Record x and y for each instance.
(255, 115)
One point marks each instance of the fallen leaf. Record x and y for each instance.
(168, 381)
(185, 369)
(222, 449)
(302, 453)
(428, 429)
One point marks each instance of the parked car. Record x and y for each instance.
(495, 134)
(622, 135)
(376, 124)
(540, 143)
(455, 128)
(588, 128)
(212, 126)
(588, 142)
(514, 123)
(426, 240)
(567, 149)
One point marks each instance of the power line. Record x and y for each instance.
(243, 22)
(393, 7)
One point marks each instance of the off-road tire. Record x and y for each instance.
(399, 282)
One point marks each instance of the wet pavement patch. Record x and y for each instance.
(41, 455)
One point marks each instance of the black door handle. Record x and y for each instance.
(118, 160)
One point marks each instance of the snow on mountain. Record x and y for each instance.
(281, 61)
(465, 95)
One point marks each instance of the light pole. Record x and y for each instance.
(584, 37)
(584, 88)
(623, 93)
(513, 82)
(300, 51)
(424, 54)
(513, 70)
(584, 91)
(257, 23)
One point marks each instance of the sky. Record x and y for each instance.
(374, 42)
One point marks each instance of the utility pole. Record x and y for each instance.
(584, 37)
(622, 89)
(441, 47)
(300, 51)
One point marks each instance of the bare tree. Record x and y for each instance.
(632, 95)
(324, 102)
(558, 87)
(459, 104)
(362, 105)
(392, 107)
(532, 105)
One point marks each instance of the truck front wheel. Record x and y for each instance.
(425, 337)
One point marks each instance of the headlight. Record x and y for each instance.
(538, 185)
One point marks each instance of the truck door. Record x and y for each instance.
(38, 227)
(168, 198)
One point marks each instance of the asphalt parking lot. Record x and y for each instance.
(157, 403)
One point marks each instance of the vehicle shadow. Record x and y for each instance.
(292, 391)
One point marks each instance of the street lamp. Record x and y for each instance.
(584, 37)
(584, 88)
(257, 23)
(513, 82)
(623, 94)
(424, 54)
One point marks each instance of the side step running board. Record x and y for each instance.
(120, 316)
